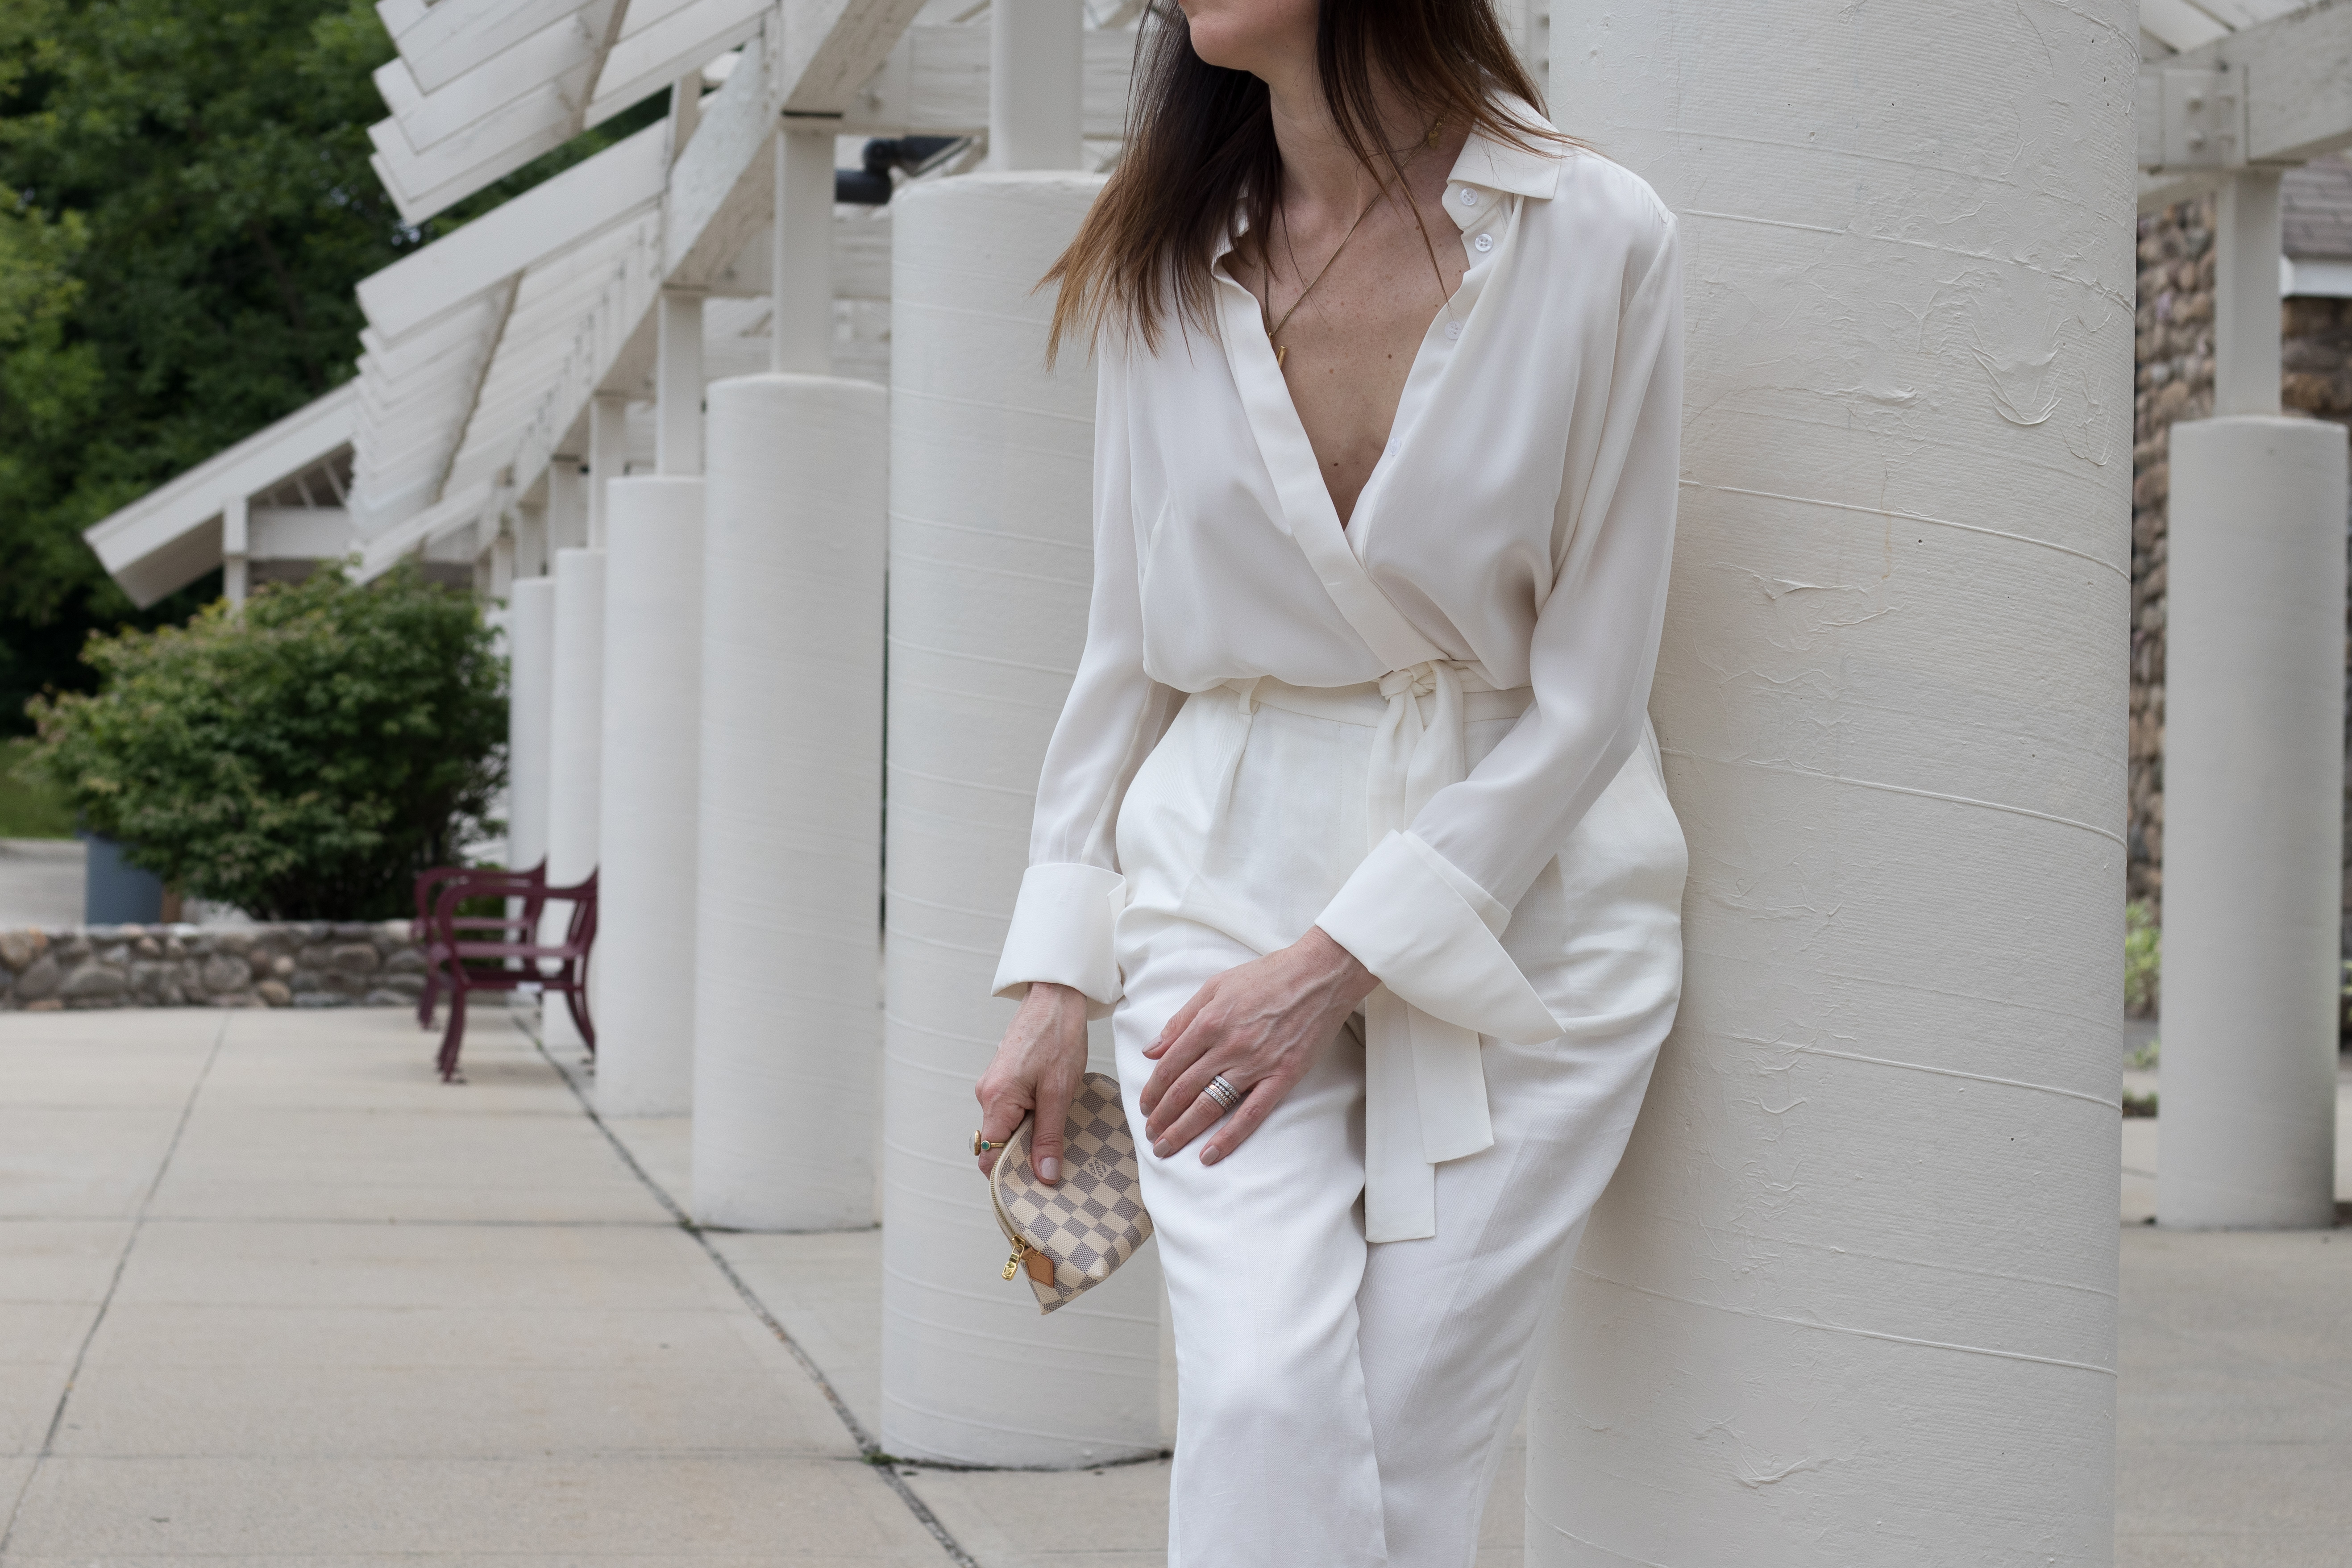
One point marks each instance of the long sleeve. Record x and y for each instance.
(1426, 909)
(1073, 892)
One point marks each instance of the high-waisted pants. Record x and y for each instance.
(1340, 1404)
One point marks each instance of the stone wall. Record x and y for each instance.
(293, 964)
(2176, 381)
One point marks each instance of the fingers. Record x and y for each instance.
(1180, 1052)
(1055, 1092)
(1197, 1117)
(1245, 1120)
(1000, 1114)
(1180, 1020)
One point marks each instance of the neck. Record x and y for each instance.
(1318, 166)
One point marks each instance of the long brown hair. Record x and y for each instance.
(1199, 144)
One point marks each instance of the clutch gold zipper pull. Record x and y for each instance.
(1013, 1264)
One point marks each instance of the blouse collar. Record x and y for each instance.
(1485, 163)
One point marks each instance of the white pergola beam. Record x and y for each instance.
(173, 533)
(934, 82)
(450, 38)
(645, 61)
(2295, 73)
(536, 225)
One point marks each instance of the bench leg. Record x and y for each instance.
(577, 1001)
(455, 1035)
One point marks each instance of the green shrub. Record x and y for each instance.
(2143, 956)
(302, 759)
(28, 810)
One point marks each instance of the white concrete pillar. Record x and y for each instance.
(502, 566)
(530, 552)
(1037, 84)
(1852, 1297)
(530, 710)
(567, 507)
(991, 546)
(2253, 782)
(234, 546)
(801, 336)
(608, 455)
(2246, 244)
(787, 1021)
(652, 734)
(576, 747)
(678, 380)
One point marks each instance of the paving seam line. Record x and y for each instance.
(113, 1283)
(867, 1448)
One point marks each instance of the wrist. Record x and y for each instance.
(1345, 973)
(1051, 997)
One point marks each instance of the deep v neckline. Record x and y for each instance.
(1336, 549)
(1278, 414)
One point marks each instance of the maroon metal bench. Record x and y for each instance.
(466, 966)
(528, 887)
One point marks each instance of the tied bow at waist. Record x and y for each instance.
(1424, 1085)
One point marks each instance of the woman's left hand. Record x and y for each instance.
(1259, 1024)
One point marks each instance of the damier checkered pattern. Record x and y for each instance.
(1093, 1219)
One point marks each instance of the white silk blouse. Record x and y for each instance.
(1517, 530)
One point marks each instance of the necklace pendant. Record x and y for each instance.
(1279, 351)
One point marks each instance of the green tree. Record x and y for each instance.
(187, 205)
(303, 759)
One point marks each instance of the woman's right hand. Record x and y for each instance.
(1037, 1070)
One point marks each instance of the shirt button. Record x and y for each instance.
(1484, 242)
(1452, 331)
(1469, 198)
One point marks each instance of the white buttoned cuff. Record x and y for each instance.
(1060, 932)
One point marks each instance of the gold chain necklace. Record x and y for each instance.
(1265, 308)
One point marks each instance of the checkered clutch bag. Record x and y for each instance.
(1070, 1237)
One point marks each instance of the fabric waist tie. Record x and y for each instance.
(1424, 1086)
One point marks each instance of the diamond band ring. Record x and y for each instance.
(1223, 1093)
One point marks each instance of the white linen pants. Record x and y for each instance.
(1339, 1403)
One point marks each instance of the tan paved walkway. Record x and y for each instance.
(269, 1294)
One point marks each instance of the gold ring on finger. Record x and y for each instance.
(1223, 1093)
(981, 1145)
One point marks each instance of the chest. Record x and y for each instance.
(1348, 346)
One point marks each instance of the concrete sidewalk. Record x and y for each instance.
(270, 1293)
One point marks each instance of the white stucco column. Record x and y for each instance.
(2253, 770)
(608, 455)
(788, 1020)
(653, 664)
(235, 583)
(990, 552)
(2246, 247)
(530, 710)
(1851, 1298)
(1036, 84)
(801, 333)
(677, 380)
(652, 731)
(575, 748)
(567, 507)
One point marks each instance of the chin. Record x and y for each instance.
(1248, 35)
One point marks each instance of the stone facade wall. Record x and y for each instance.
(2176, 381)
(293, 964)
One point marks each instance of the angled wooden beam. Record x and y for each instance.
(2294, 73)
(542, 221)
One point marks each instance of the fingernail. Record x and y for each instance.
(1210, 1156)
(1049, 1169)
(1164, 1149)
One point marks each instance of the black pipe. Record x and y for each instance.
(870, 186)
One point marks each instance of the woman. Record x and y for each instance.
(1353, 821)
